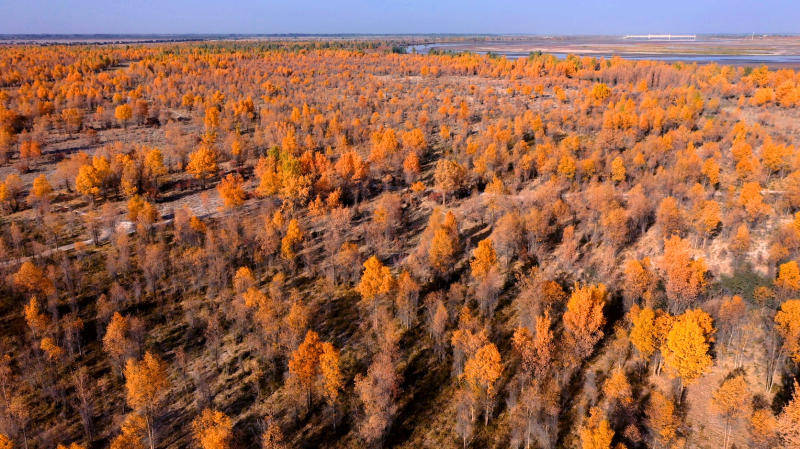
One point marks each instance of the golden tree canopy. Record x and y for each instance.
(376, 280)
(146, 382)
(484, 259)
(686, 353)
(212, 430)
(596, 432)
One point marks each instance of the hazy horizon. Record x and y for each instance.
(353, 34)
(575, 17)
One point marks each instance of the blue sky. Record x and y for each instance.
(399, 16)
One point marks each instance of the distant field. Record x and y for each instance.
(751, 50)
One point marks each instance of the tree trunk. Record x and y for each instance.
(727, 432)
(772, 363)
(149, 431)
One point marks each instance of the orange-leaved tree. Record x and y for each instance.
(40, 193)
(132, 435)
(484, 259)
(117, 342)
(304, 365)
(686, 351)
(376, 283)
(481, 373)
(292, 240)
(787, 324)
(203, 164)
(272, 438)
(584, 319)
(536, 350)
(662, 419)
(146, 384)
(449, 176)
(727, 401)
(212, 430)
(32, 279)
(617, 388)
(332, 381)
(788, 279)
(789, 421)
(123, 113)
(643, 330)
(685, 276)
(596, 432)
(37, 321)
(444, 243)
(231, 190)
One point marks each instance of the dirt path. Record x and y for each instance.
(203, 204)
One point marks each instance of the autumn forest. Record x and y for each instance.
(341, 244)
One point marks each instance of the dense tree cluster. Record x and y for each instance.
(333, 244)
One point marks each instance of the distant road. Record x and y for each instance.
(662, 37)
